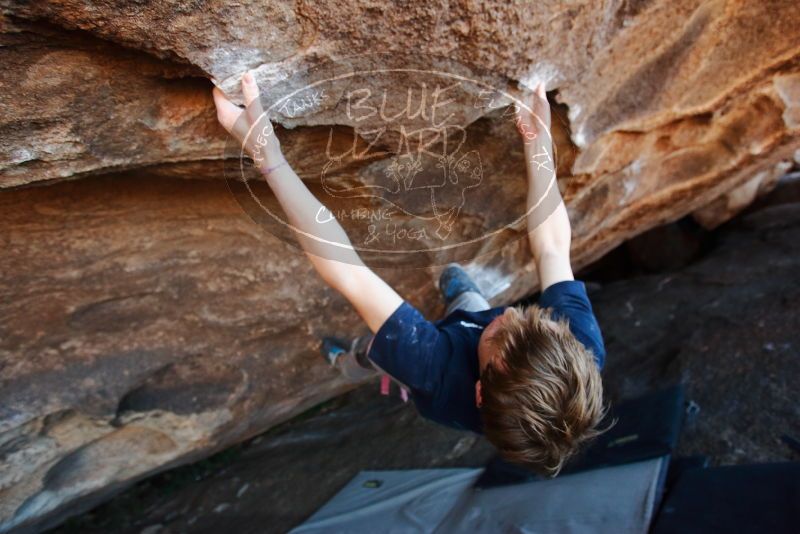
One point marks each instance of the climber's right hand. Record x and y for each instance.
(533, 121)
(250, 126)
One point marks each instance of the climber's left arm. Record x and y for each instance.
(327, 246)
(320, 235)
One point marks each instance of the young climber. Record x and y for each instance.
(528, 378)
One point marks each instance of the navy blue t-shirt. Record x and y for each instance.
(438, 361)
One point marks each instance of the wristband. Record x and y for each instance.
(268, 170)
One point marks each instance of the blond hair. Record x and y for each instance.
(542, 396)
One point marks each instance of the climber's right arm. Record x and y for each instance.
(320, 235)
(549, 230)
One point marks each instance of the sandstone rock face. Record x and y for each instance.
(73, 104)
(146, 321)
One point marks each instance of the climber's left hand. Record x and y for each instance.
(250, 126)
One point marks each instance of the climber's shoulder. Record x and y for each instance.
(569, 300)
(436, 360)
